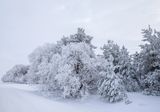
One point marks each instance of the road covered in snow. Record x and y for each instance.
(22, 98)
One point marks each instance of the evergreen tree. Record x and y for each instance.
(137, 68)
(126, 71)
(122, 65)
(110, 85)
(79, 37)
(150, 54)
(111, 49)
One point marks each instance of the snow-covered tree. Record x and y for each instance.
(110, 86)
(150, 62)
(111, 49)
(76, 74)
(122, 64)
(41, 59)
(71, 68)
(126, 71)
(17, 74)
(50, 83)
(137, 67)
(152, 83)
(79, 37)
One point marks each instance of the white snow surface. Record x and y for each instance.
(23, 98)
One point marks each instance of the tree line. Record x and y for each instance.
(71, 68)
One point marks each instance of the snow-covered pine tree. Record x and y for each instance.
(111, 49)
(17, 74)
(150, 54)
(152, 82)
(110, 85)
(126, 71)
(137, 68)
(79, 37)
(122, 64)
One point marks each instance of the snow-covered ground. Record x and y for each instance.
(23, 98)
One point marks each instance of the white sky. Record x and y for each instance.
(27, 24)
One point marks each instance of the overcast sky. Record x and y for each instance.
(27, 24)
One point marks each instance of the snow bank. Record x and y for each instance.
(20, 98)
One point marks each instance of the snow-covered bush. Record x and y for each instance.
(17, 74)
(111, 89)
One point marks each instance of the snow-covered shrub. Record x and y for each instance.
(17, 74)
(111, 89)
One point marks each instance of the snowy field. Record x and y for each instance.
(23, 98)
